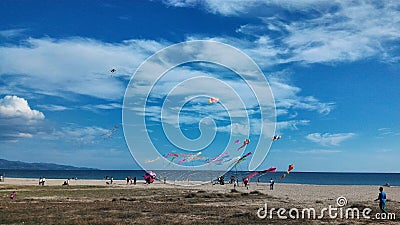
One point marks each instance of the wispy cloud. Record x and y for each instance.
(75, 134)
(76, 65)
(317, 151)
(329, 31)
(384, 132)
(53, 107)
(288, 96)
(291, 124)
(328, 139)
(11, 33)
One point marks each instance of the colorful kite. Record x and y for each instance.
(213, 100)
(241, 159)
(190, 157)
(237, 141)
(245, 142)
(110, 133)
(149, 177)
(272, 169)
(276, 137)
(283, 176)
(218, 158)
(152, 160)
(291, 167)
(174, 156)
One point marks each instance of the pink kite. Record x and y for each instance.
(149, 177)
(272, 169)
(245, 142)
(213, 100)
(218, 158)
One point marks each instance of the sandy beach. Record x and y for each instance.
(93, 201)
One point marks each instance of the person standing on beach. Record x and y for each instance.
(246, 182)
(382, 200)
(134, 180)
(43, 181)
(271, 184)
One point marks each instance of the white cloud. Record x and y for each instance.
(317, 151)
(329, 31)
(290, 125)
(17, 119)
(53, 107)
(14, 106)
(11, 32)
(77, 65)
(385, 132)
(240, 7)
(288, 97)
(328, 139)
(72, 133)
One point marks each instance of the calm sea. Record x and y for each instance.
(294, 177)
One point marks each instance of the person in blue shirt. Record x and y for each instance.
(382, 200)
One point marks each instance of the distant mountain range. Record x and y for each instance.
(18, 165)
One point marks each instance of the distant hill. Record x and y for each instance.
(18, 165)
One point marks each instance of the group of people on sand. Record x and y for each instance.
(107, 178)
(42, 180)
(129, 180)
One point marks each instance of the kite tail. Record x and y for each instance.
(252, 175)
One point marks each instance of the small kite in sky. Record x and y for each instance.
(245, 142)
(174, 156)
(291, 167)
(110, 133)
(152, 160)
(237, 141)
(276, 137)
(213, 100)
(113, 70)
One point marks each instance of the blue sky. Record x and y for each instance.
(332, 67)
